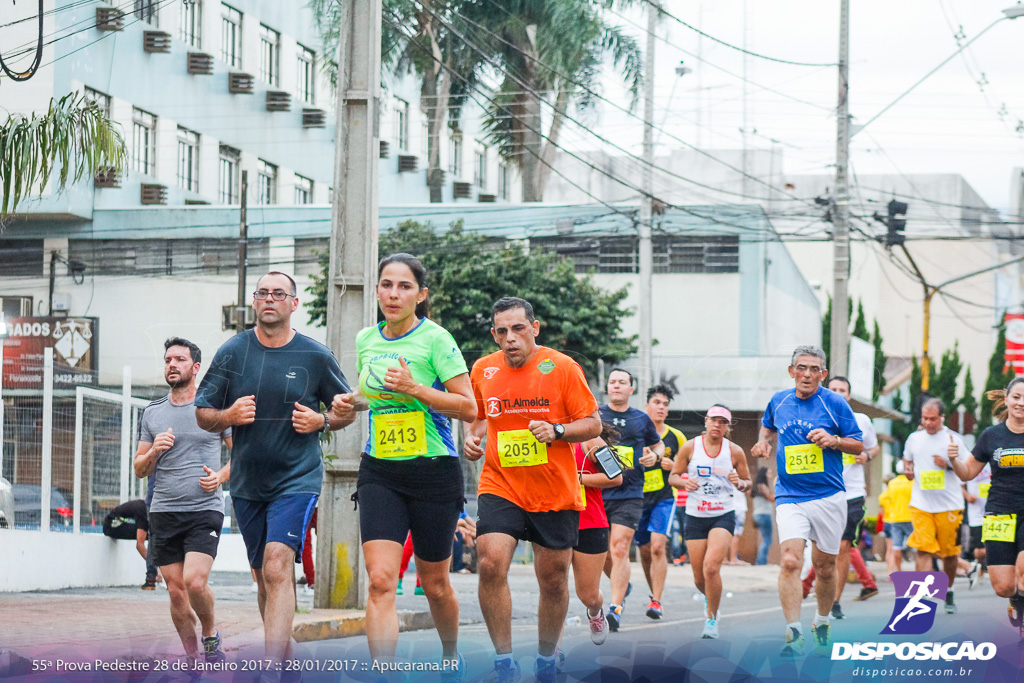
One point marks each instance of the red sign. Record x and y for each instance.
(75, 344)
(1015, 342)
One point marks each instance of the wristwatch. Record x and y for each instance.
(327, 422)
(559, 430)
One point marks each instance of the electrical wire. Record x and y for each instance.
(22, 76)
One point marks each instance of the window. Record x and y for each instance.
(307, 75)
(166, 256)
(480, 167)
(143, 141)
(229, 182)
(455, 154)
(504, 184)
(401, 123)
(266, 183)
(672, 253)
(102, 101)
(145, 10)
(190, 25)
(231, 36)
(270, 55)
(188, 159)
(303, 190)
(25, 258)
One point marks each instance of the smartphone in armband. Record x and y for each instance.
(607, 462)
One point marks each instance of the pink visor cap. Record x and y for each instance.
(719, 411)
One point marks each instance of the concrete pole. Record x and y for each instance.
(243, 253)
(351, 304)
(646, 249)
(841, 214)
(46, 474)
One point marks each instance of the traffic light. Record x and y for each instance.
(896, 226)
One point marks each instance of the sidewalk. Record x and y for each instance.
(129, 623)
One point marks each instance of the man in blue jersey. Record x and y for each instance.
(808, 428)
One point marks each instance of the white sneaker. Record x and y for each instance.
(710, 628)
(598, 627)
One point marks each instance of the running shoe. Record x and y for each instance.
(506, 671)
(710, 628)
(794, 646)
(654, 610)
(950, 605)
(399, 591)
(614, 617)
(837, 611)
(598, 627)
(866, 593)
(559, 658)
(150, 585)
(545, 670)
(822, 639)
(1015, 610)
(419, 590)
(212, 650)
(973, 574)
(453, 674)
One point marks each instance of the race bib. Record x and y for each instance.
(999, 528)
(625, 454)
(583, 492)
(653, 480)
(805, 458)
(519, 448)
(399, 435)
(933, 479)
(849, 459)
(983, 490)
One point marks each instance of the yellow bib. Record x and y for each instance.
(519, 448)
(804, 459)
(399, 435)
(625, 454)
(999, 528)
(933, 479)
(583, 492)
(983, 490)
(849, 459)
(653, 480)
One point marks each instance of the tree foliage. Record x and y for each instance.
(74, 138)
(860, 325)
(880, 362)
(467, 273)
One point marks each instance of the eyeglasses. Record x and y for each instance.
(813, 369)
(276, 295)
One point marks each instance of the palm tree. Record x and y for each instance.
(548, 51)
(74, 137)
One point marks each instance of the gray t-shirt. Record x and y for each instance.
(179, 468)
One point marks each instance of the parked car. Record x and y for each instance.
(26, 505)
(6, 504)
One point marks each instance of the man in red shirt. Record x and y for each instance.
(533, 402)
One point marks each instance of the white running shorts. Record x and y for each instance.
(822, 521)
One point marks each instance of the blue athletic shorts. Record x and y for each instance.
(655, 519)
(284, 520)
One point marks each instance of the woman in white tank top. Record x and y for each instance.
(717, 469)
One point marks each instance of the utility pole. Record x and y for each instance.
(350, 301)
(243, 254)
(841, 210)
(646, 249)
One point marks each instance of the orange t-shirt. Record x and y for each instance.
(550, 387)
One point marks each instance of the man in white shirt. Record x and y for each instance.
(937, 502)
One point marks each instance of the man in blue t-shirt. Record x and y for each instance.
(639, 447)
(808, 428)
(267, 384)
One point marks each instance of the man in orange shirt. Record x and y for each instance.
(533, 402)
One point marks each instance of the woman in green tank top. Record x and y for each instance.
(412, 379)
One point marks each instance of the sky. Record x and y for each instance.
(960, 120)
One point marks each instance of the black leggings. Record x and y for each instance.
(387, 515)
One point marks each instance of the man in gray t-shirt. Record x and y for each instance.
(187, 509)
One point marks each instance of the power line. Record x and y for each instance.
(34, 66)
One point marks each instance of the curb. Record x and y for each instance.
(329, 624)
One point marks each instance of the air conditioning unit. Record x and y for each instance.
(462, 190)
(241, 83)
(109, 19)
(408, 163)
(385, 149)
(231, 314)
(314, 118)
(200, 63)
(278, 100)
(107, 176)
(486, 198)
(156, 41)
(154, 194)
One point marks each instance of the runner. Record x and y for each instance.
(533, 402)
(187, 511)
(895, 501)
(640, 447)
(808, 428)
(1002, 447)
(592, 545)
(717, 470)
(937, 503)
(976, 494)
(856, 489)
(412, 379)
(655, 524)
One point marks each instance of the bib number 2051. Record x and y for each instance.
(519, 448)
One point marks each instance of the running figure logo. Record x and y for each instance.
(916, 593)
